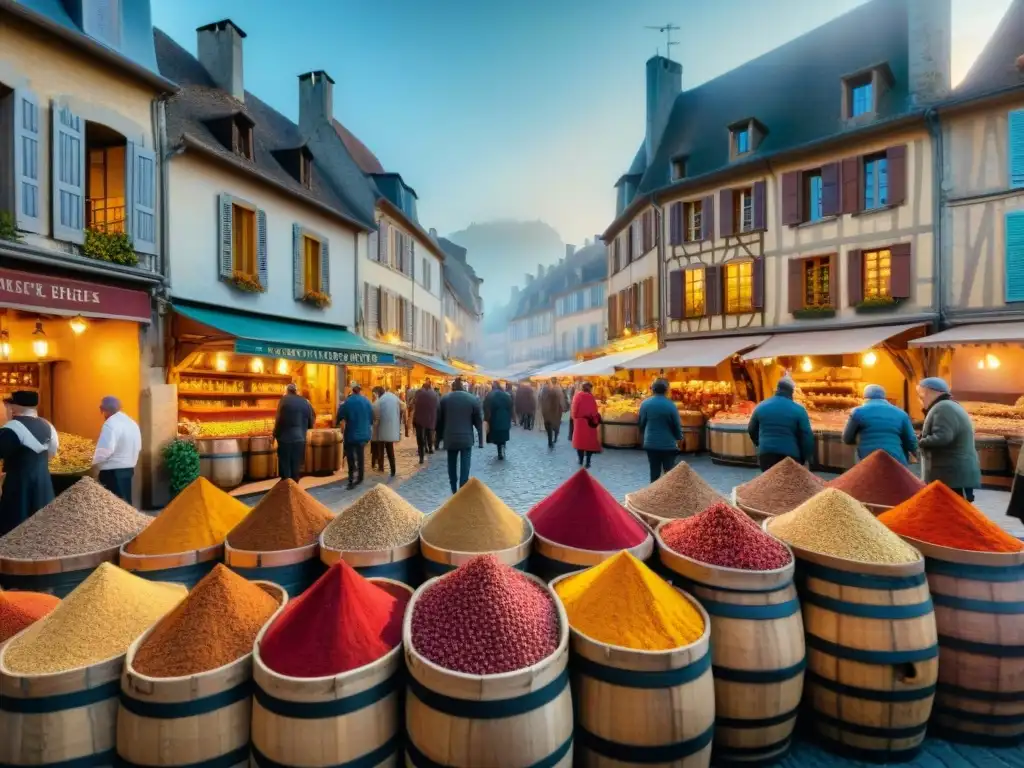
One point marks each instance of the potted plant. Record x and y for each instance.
(876, 304)
(246, 283)
(113, 247)
(318, 299)
(814, 313)
(182, 459)
(8, 227)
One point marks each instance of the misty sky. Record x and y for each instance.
(528, 109)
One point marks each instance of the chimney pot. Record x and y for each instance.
(664, 83)
(929, 31)
(316, 101)
(220, 52)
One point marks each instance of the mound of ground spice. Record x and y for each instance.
(623, 602)
(474, 520)
(937, 515)
(84, 518)
(22, 609)
(785, 486)
(879, 479)
(836, 524)
(379, 519)
(485, 618)
(96, 621)
(199, 517)
(215, 625)
(581, 513)
(722, 535)
(679, 493)
(342, 622)
(287, 517)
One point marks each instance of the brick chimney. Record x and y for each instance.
(929, 32)
(664, 83)
(316, 100)
(220, 53)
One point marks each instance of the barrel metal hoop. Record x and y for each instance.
(57, 584)
(759, 722)
(399, 570)
(869, 755)
(982, 649)
(87, 761)
(432, 568)
(868, 610)
(189, 575)
(978, 717)
(419, 760)
(369, 760)
(543, 564)
(645, 755)
(871, 730)
(45, 705)
(489, 710)
(295, 578)
(978, 606)
(750, 612)
(235, 757)
(951, 733)
(725, 754)
(1003, 697)
(872, 657)
(159, 710)
(685, 582)
(759, 676)
(807, 569)
(319, 710)
(871, 694)
(991, 573)
(631, 678)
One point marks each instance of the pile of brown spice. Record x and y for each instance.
(286, 518)
(679, 493)
(782, 488)
(880, 480)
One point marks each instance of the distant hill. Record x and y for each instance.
(503, 252)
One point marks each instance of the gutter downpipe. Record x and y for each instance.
(938, 204)
(662, 303)
(164, 153)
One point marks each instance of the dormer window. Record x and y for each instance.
(861, 97)
(306, 170)
(678, 168)
(744, 137)
(298, 162)
(241, 136)
(863, 91)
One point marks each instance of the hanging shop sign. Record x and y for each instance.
(313, 354)
(58, 295)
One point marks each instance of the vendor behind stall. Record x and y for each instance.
(27, 443)
(780, 427)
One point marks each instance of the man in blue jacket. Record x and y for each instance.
(880, 425)
(780, 428)
(659, 424)
(357, 415)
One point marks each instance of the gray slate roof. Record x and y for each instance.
(587, 265)
(460, 276)
(996, 68)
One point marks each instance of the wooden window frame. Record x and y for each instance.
(306, 170)
(882, 285)
(746, 309)
(807, 182)
(743, 201)
(309, 241)
(237, 264)
(693, 221)
(877, 161)
(816, 263)
(690, 311)
(242, 137)
(850, 86)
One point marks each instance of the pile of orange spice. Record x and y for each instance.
(937, 515)
(20, 609)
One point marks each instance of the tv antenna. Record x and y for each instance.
(667, 30)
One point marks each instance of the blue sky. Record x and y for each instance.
(529, 109)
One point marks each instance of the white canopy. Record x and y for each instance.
(599, 366)
(976, 333)
(695, 353)
(845, 341)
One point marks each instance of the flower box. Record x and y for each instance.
(815, 313)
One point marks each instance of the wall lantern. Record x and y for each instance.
(220, 363)
(78, 325)
(869, 359)
(806, 366)
(256, 366)
(282, 367)
(40, 345)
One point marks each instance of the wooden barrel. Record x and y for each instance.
(398, 564)
(325, 451)
(65, 718)
(180, 568)
(516, 719)
(872, 654)
(618, 434)
(261, 461)
(979, 612)
(643, 707)
(994, 460)
(200, 719)
(349, 719)
(693, 431)
(758, 654)
(294, 569)
(437, 561)
(831, 454)
(221, 461)
(549, 560)
(54, 576)
(729, 443)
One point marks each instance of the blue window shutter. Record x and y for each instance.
(225, 240)
(27, 204)
(261, 247)
(325, 266)
(68, 163)
(298, 264)
(1016, 153)
(140, 197)
(1015, 256)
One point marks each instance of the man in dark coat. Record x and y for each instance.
(498, 415)
(424, 418)
(526, 404)
(356, 413)
(295, 417)
(27, 443)
(457, 416)
(552, 406)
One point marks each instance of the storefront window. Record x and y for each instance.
(694, 292)
(311, 262)
(816, 283)
(739, 287)
(243, 232)
(877, 270)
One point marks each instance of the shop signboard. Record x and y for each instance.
(313, 354)
(61, 296)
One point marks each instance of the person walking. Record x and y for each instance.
(513, 392)
(498, 415)
(880, 425)
(947, 440)
(27, 443)
(295, 417)
(780, 427)
(552, 406)
(410, 404)
(661, 429)
(424, 419)
(526, 404)
(389, 413)
(117, 449)
(458, 414)
(356, 413)
(585, 437)
(376, 448)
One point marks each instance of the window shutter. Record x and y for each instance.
(612, 319)
(225, 241)
(27, 205)
(725, 214)
(636, 304)
(372, 245)
(707, 218)
(407, 330)
(760, 205)
(68, 164)
(375, 318)
(852, 197)
(382, 249)
(757, 283)
(675, 224)
(140, 197)
(713, 290)
(833, 280)
(1015, 256)
(650, 314)
(1016, 149)
(676, 294)
(896, 160)
(617, 255)
(796, 285)
(298, 264)
(656, 224)
(900, 276)
(792, 213)
(830, 189)
(325, 266)
(854, 277)
(261, 248)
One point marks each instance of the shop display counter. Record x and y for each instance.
(994, 459)
(831, 454)
(729, 443)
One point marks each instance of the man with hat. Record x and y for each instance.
(947, 439)
(356, 413)
(27, 443)
(117, 450)
(780, 427)
(295, 417)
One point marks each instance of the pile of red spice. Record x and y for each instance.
(879, 479)
(342, 622)
(287, 517)
(722, 535)
(20, 609)
(937, 515)
(581, 513)
(485, 618)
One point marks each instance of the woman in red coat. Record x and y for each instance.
(585, 419)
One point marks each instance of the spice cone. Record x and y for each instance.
(21, 609)
(879, 480)
(287, 517)
(379, 519)
(785, 486)
(474, 520)
(679, 493)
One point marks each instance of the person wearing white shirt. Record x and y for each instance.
(117, 450)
